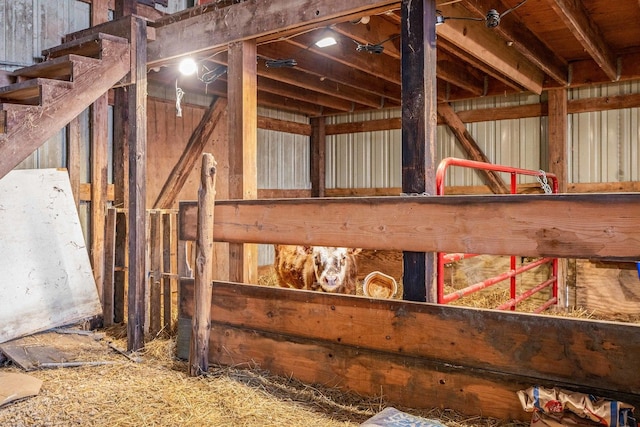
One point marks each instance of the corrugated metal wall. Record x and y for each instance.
(604, 145)
(374, 159)
(283, 158)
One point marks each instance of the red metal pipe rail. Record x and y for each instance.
(513, 272)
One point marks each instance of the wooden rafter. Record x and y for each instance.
(576, 18)
(523, 40)
(250, 20)
(489, 48)
(333, 70)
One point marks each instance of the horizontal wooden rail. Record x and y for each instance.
(419, 355)
(594, 226)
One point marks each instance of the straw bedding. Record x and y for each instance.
(156, 391)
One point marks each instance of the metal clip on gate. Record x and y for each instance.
(443, 258)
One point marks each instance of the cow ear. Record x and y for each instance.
(355, 251)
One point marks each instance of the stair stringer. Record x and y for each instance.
(27, 128)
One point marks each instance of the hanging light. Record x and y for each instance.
(491, 20)
(326, 41)
(188, 66)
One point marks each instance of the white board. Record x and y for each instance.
(45, 274)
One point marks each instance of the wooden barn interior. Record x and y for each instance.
(272, 139)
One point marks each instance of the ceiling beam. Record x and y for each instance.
(524, 41)
(376, 31)
(576, 18)
(296, 77)
(489, 48)
(332, 70)
(344, 52)
(460, 76)
(445, 45)
(248, 20)
(289, 91)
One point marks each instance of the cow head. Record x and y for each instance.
(334, 268)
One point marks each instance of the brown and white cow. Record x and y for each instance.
(317, 268)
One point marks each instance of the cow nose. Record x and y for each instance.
(331, 281)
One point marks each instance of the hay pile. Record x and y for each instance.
(158, 392)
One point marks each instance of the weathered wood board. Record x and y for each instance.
(602, 226)
(418, 355)
(608, 290)
(46, 274)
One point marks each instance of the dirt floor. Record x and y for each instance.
(154, 389)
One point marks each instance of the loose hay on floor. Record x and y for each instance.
(158, 392)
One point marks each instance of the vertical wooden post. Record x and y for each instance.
(137, 106)
(419, 121)
(318, 149)
(243, 140)
(201, 320)
(99, 155)
(558, 119)
(109, 267)
(168, 241)
(155, 294)
(73, 158)
(121, 132)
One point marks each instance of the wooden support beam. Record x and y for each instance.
(155, 272)
(595, 226)
(249, 20)
(109, 268)
(489, 48)
(574, 15)
(137, 108)
(333, 70)
(243, 148)
(558, 144)
(523, 40)
(192, 152)
(201, 321)
(73, 157)
(121, 126)
(318, 150)
(469, 145)
(419, 120)
(99, 158)
(168, 248)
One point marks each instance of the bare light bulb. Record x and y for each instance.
(188, 66)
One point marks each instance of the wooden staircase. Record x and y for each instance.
(46, 96)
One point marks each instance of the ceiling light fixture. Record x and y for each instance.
(491, 20)
(326, 41)
(188, 66)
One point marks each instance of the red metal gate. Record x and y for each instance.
(514, 270)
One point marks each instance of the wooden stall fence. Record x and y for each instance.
(416, 354)
(162, 268)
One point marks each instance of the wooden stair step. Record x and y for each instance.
(60, 68)
(32, 92)
(90, 46)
